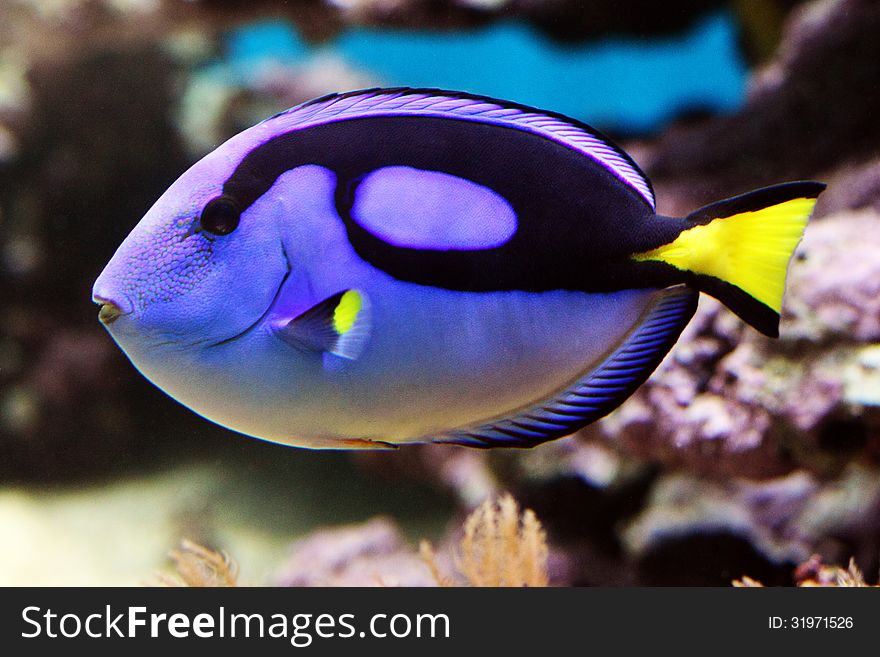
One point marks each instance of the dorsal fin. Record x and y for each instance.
(599, 391)
(467, 107)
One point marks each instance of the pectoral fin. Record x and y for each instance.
(338, 325)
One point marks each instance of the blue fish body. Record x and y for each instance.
(397, 266)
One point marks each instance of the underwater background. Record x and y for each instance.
(741, 456)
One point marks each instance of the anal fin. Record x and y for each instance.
(599, 391)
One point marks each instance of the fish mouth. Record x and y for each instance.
(109, 311)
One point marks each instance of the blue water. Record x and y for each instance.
(621, 84)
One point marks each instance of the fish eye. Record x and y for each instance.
(220, 216)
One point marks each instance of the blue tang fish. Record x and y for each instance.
(398, 266)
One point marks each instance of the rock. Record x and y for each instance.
(785, 520)
(58, 26)
(730, 402)
(220, 101)
(99, 122)
(853, 186)
(834, 287)
(91, 134)
(770, 447)
(812, 109)
(370, 554)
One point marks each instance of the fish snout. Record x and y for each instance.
(109, 313)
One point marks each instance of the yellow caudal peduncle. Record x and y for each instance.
(750, 250)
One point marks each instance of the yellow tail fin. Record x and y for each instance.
(745, 242)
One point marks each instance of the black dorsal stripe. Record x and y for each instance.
(477, 98)
(574, 216)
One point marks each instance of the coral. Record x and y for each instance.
(814, 572)
(747, 582)
(771, 445)
(198, 566)
(500, 547)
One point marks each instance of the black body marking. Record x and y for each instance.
(577, 222)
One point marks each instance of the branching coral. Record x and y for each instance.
(815, 573)
(197, 566)
(500, 547)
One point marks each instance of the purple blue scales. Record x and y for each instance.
(396, 266)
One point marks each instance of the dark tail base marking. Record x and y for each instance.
(756, 200)
(745, 306)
